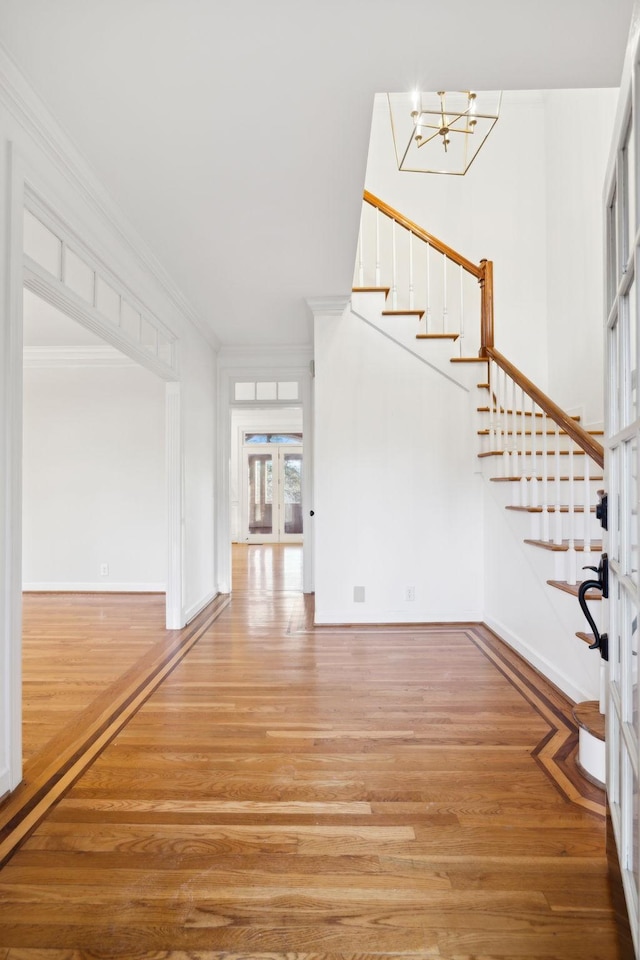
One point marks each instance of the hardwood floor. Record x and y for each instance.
(290, 793)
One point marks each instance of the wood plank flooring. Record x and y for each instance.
(291, 793)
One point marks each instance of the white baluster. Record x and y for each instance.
(515, 466)
(427, 316)
(394, 268)
(524, 487)
(360, 254)
(494, 404)
(557, 517)
(533, 482)
(410, 270)
(461, 307)
(546, 534)
(587, 506)
(571, 562)
(504, 427)
(377, 247)
(445, 311)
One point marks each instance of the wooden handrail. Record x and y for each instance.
(422, 234)
(584, 440)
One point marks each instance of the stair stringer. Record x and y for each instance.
(402, 330)
(539, 622)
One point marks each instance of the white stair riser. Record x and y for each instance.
(513, 492)
(515, 465)
(488, 443)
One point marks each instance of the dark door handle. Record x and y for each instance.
(601, 641)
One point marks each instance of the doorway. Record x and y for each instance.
(267, 478)
(272, 493)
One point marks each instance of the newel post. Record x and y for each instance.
(486, 308)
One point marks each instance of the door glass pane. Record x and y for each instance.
(292, 486)
(628, 615)
(260, 493)
(616, 637)
(628, 160)
(632, 508)
(633, 839)
(613, 359)
(612, 251)
(631, 306)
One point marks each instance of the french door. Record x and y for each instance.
(273, 494)
(621, 478)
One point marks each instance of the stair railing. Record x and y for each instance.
(422, 275)
(538, 443)
(554, 458)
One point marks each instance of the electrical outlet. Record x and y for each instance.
(410, 593)
(104, 569)
(358, 594)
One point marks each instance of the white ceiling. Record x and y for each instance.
(234, 134)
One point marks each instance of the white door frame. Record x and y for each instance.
(268, 367)
(622, 459)
(20, 272)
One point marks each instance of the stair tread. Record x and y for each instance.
(527, 413)
(550, 453)
(551, 508)
(519, 413)
(469, 360)
(588, 716)
(437, 336)
(595, 546)
(384, 290)
(403, 313)
(541, 479)
(538, 433)
(587, 637)
(573, 588)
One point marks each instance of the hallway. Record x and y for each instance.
(322, 794)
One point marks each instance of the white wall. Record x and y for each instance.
(254, 419)
(93, 479)
(578, 130)
(397, 501)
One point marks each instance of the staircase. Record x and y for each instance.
(537, 462)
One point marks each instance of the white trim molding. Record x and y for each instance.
(197, 607)
(98, 587)
(75, 356)
(175, 507)
(328, 306)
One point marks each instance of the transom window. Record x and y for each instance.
(273, 438)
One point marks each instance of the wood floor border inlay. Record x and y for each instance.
(69, 754)
(557, 752)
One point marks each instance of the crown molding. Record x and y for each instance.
(328, 306)
(24, 104)
(75, 356)
(271, 357)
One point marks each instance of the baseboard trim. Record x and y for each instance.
(197, 607)
(99, 587)
(542, 665)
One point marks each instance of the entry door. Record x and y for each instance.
(273, 504)
(621, 478)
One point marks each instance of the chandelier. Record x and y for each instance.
(441, 132)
